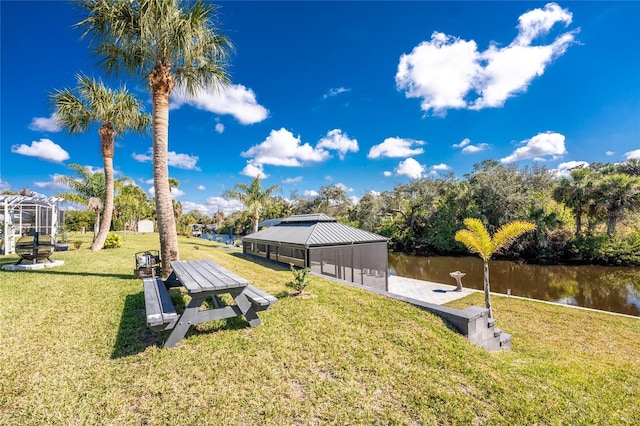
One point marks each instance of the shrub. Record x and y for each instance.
(77, 244)
(300, 280)
(113, 241)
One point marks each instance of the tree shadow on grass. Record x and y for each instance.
(135, 337)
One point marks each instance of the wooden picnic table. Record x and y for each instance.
(202, 279)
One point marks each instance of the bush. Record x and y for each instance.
(301, 279)
(113, 241)
(601, 249)
(77, 244)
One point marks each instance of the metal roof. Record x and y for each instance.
(324, 232)
(269, 223)
(313, 217)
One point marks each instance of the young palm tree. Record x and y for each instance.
(167, 43)
(116, 111)
(252, 196)
(86, 189)
(477, 239)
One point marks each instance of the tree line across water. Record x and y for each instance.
(592, 215)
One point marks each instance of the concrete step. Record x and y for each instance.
(491, 322)
(505, 341)
(497, 332)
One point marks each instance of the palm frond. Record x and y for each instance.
(470, 240)
(508, 233)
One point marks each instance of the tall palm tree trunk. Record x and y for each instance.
(256, 219)
(487, 289)
(578, 214)
(106, 136)
(96, 224)
(612, 222)
(162, 83)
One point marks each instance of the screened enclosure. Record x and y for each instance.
(20, 215)
(319, 242)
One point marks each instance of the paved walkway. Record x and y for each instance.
(426, 291)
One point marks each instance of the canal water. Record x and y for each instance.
(608, 288)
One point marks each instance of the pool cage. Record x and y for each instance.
(22, 215)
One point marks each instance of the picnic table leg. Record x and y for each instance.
(186, 320)
(247, 309)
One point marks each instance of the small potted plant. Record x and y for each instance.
(62, 240)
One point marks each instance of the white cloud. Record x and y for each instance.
(183, 161)
(338, 141)
(472, 149)
(440, 72)
(46, 124)
(175, 192)
(467, 148)
(4, 185)
(410, 168)
(219, 127)
(253, 170)
(44, 149)
(344, 187)
(564, 169)
(310, 193)
(539, 146)
(610, 153)
(188, 206)
(440, 167)
(53, 184)
(281, 148)
(142, 158)
(296, 179)
(328, 178)
(538, 22)
(149, 181)
(219, 204)
(462, 144)
(201, 188)
(387, 173)
(395, 147)
(632, 155)
(448, 72)
(180, 161)
(335, 92)
(236, 100)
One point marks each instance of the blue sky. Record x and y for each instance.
(363, 94)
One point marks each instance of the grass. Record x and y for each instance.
(75, 349)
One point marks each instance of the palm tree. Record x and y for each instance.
(576, 192)
(87, 189)
(167, 43)
(116, 112)
(252, 196)
(618, 193)
(477, 239)
(175, 204)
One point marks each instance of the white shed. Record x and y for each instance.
(145, 225)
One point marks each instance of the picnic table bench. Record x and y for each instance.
(34, 248)
(201, 279)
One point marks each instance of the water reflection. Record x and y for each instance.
(614, 289)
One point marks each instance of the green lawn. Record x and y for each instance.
(75, 349)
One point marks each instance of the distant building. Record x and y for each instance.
(145, 225)
(319, 242)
